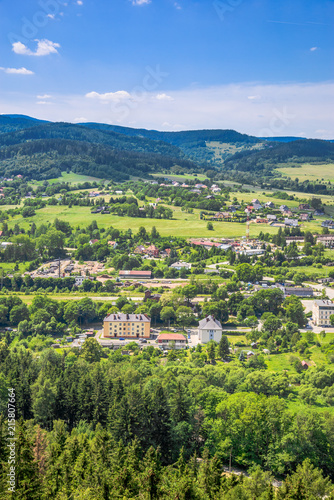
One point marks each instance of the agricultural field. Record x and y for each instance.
(221, 150)
(183, 225)
(71, 178)
(183, 177)
(310, 172)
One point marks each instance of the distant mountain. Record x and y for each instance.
(282, 139)
(179, 138)
(11, 123)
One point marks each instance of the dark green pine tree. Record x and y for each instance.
(160, 423)
(99, 397)
(180, 404)
(209, 476)
(223, 347)
(28, 482)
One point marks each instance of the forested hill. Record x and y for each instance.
(11, 123)
(44, 150)
(180, 138)
(302, 150)
(191, 144)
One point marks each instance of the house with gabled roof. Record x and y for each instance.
(209, 328)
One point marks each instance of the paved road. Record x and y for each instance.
(329, 291)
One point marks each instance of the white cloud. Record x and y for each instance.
(254, 97)
(177, 6)
(80, 2)
(44, 48)
(51, 16)
(313, 49)
(290, 109)
(17, 71)
(45, 96)
(44, 103)
(82, 119)
(140, 2)
(110, 96)
(164, 97)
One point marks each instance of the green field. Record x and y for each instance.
(183, 224)
(72, 178)
(309, 172)
(183, 177)
(221, 149)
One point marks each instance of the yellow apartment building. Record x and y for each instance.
(131, 326)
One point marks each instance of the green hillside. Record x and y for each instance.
(47, 149)
(43, 150)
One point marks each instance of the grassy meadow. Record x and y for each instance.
(183, 224)
(71, 178)
(309, 172)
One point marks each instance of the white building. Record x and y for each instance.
(209, 328)
(174, 340)
(79, 280)
(181, 265)
(322, 310)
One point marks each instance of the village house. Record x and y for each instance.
(165, 253)
(152, 251)
(298, 291)
(180, 265)
(112, 244)
(326, 239)
(304, 217)
(291, 222)
(139, 250)
(328, 223)
(304, 206)
(80, 279)
(209, 328)
(269, 204)
(296, 239)
(172, 340)
(151, 296)
(135, 274)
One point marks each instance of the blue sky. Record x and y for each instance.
(263, 67)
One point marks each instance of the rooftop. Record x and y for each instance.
(171, 336)
(210, 323)
(324, 303)
(127, 317)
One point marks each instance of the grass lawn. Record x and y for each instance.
(298, 406)
(71, 178)
(8, 267)
(237, 338)
(27, 299)
(310, 172)
(311, 270)
(183, 224)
